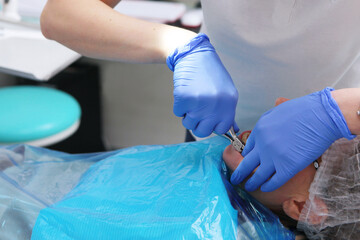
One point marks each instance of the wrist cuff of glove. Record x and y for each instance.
(335, 113)
(201, 41)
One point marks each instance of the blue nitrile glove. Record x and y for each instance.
(288, 138)
(204, 93)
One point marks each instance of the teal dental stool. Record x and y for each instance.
(37, 116)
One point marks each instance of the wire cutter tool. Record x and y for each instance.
(235, 141)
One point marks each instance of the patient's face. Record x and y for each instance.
(296, 188)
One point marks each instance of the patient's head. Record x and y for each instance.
(289, 198)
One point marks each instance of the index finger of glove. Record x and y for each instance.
(260, 176)
(248, 164)
(222, 127)
(204, 128)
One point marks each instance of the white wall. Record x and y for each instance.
(137, 105)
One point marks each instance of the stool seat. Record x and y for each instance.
(30, 114)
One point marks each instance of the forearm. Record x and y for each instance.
(94, 29)
(348, 100)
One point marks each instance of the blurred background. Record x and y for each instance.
(122, 104)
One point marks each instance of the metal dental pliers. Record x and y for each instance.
(235, 141)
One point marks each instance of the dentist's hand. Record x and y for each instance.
(288, 138)
(204, 93)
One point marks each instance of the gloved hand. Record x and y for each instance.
(204, 93)
(288, 138)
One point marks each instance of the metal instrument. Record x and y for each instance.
(235, 141)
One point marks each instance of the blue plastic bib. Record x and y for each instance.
(154, 192)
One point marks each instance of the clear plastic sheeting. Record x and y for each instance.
(333, 208)
(145, 192)
(32, 179)
(255, 221)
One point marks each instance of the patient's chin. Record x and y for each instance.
(232, 157)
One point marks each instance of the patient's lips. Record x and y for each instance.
(232, 157)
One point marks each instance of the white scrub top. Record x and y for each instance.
(284, 48)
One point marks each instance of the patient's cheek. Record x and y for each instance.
(232, 157)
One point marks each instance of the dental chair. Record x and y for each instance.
(38, 116)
